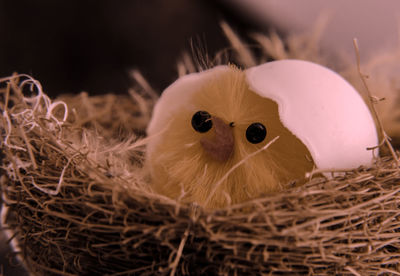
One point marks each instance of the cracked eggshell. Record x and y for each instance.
(321, 108)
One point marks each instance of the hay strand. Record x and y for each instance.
(373, 101)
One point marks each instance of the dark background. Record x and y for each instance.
(91, 45)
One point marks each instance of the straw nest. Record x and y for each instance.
(77, 202)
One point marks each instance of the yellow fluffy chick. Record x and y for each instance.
(213, 135)
(217, 126)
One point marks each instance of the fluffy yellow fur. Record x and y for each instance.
(182, 170)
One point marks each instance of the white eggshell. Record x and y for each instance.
(321, 108)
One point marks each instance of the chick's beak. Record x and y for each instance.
(220, 146)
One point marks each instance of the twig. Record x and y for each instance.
(138, 77)
(174, 265)
(352, 270)
(60, 181)
(371, 100)
(246, 57)
(29, 147)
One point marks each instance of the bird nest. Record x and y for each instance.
(76, 200)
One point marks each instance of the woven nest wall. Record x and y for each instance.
(76, 200)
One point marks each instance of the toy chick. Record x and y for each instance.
(224, 135)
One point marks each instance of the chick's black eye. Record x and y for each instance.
(256, 133)
(201, 121)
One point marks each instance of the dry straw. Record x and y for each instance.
(76, 199)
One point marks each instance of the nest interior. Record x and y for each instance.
(76, 202)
